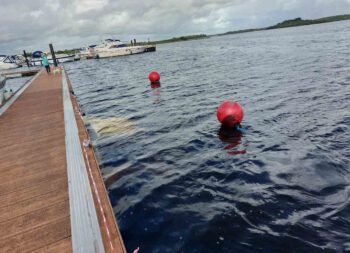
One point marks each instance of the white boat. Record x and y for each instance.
(6, 62)
(61, 58)
(19, 59)
(112, 48)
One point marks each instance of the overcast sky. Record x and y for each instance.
(32, 24)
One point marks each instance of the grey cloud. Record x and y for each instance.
(73, 23)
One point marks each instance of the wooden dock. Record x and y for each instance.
(20, 72)
(42, 206)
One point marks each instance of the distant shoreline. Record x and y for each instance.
(285, 24)
(293, 23)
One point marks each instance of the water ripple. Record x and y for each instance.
(179, 183)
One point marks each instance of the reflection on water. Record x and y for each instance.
(156, 92)
(233, 138)
(155, 85)
(182, 185)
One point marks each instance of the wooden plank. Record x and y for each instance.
(32, 204)
(26, 182)
(37, 238)
(32, 220)
(46, 151)
(16, 171)
(40, 189)
(42, 132)
(63, 246)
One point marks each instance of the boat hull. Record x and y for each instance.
(8, 65)
(122, 51)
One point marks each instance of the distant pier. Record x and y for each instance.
(52, 195)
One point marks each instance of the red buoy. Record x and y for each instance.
(230, 113)
(154, 77)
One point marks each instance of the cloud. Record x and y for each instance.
(33, 24)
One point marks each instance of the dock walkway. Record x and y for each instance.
(36, 207)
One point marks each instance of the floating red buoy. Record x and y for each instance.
(230, 113)
(154, 77)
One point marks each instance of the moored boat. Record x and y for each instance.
(61, 58)
(20, 60)
(113, 48)
(6, 62)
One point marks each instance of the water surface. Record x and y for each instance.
(179, 184)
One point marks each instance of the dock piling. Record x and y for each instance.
(53, 55)
(25, 56)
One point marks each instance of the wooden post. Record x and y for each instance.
(53, 55)
(25, 56)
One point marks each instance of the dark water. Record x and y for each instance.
(178, 184)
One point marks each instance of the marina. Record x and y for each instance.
(174, 126)
(108, 48)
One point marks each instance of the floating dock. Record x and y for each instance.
(52, 195)
(20, 73)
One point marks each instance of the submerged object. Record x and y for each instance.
(230, 113)
(154, 77)
(113, 126)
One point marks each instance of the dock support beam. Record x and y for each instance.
(53, 55)
(25, 56)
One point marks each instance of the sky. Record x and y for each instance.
(33, 24)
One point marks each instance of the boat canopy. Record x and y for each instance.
(6, 59)
(3, 57)
(37, 54)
